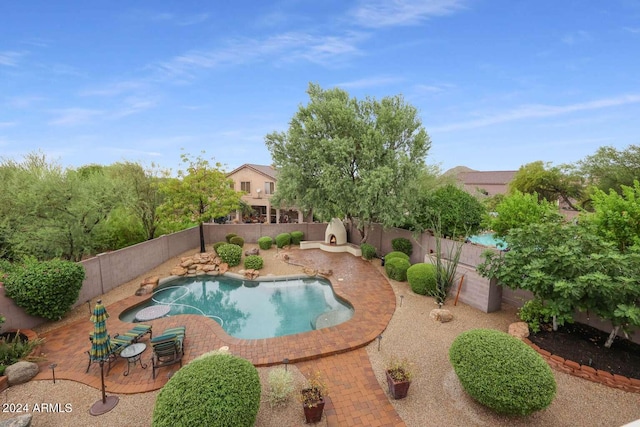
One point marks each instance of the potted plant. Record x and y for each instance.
(312, 397)
(399, 374)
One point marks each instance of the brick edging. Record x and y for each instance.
(587, 372)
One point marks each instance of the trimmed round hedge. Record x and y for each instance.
(254, 262)
(237, 240)
(214, 390)
(282, 240)
(296, 237)
(229, 236)
(396, 268)
(402, 244)
(231, 254)
(265, 242)
(216, 245)
(396, 254)
(422, 278)
(368, 251)
(502, 372)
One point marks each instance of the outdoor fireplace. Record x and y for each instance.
(335, 234)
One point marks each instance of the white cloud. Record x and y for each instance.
(387, 13)
(10, 58)
(536, 111)
(74, 116)
(370, 82)
(113, 89)
(7, 124)
(23, 101)
(633, 30)
(135, 105)
(193, 19)
(422, 89)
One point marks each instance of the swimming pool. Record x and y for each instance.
(488, 239)
(252, 309)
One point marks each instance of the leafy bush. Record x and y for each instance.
(396, 254)
(231, 254)
(254, 262)
(501, 372)
(237, 240)
(396, 268)
(296, 237)
(280, 386)
(217, 245)
(230, 236)
(401, 244)
(47, 289)
(265, 242)
(283, 240)
(14, 349)
(216, 390)
(368, 251)
(422, 278)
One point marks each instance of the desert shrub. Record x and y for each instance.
(217, 245)
(230, 236)
(422, 278)
(296, 237)
(237, 240)
(396, 268)
(265, 242)
(283, 239)
(216, 390)
(280, 386)
(502, 372)
(45, 288)
(396, 254)
(368, 251)
(401, 244)
(254, 262)
(231, 254)
(14, 349)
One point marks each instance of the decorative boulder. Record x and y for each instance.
(325, 273)
(144, 290)
(21, 372)
(441, 315)
(519, 330)
(309, 271)
(20, 421)
(254, 251)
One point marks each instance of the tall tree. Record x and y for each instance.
(610, 168)
(199, 194)
(518, 210)
(350, 158)
(551, 183)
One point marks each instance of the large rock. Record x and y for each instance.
(21, 372)
(519, 330)
(441, 315)
(20, 421)
(254, 251)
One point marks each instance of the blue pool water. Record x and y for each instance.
(251, 309)
(488, 239)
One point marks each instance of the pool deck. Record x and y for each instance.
(337, 352)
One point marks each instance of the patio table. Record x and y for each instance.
(152, 312)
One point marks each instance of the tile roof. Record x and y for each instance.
(263, 169)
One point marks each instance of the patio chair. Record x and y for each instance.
(118, 343)
(168, 348)
(138, 331)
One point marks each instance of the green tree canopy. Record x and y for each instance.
(519, 209)
(610, 168)
(199, 194)
(349, 158)
(551, 183)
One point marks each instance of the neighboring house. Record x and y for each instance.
(487, 183)
(259, 183)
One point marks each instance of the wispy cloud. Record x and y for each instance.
(633, 30)
(113, 89)
(10, 58)
(7, 124)
(576, 37)
(135, 105)
(422, 89)
(193, 19)
(74, 116)
(23, 101)
(387, 13)
(537, 111)
(370, 82)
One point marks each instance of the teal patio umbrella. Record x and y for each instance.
(100, 352)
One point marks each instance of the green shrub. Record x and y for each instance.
(217, 245)
(265, 242)
(254, 262)
(231, 254)
(396, 268)
(502, 372)
(368, 251)
(401, 244)
(422, 278)
(237, 240)
(283, 240)
(280, 386)
(47, 289)
(230, 236)
(13, 350)
(396, 254)
(296, 237)
(217, 390)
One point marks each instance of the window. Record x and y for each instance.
(269, 187)
(245, 186)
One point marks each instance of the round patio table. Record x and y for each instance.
(152, 312)
(133, 354)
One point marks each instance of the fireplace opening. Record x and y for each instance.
(332, 239)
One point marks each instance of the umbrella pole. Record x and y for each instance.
(107, 403)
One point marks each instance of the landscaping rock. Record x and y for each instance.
(325, 273)
(251, 274)
(21, 372)
(178, 271)
(152, 280)
(519, 330)
(254, 251)
(20, 421)
(145, 290)
(309, 271)
(441, 315)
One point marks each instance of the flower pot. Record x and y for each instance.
(397, 389)
(312, 410)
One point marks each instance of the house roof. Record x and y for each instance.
(263, 169)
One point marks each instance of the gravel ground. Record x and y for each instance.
(435, 396)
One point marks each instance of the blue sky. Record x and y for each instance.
(498, 83)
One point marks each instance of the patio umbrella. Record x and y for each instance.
(100, 350)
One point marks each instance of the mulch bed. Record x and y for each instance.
(585, 345)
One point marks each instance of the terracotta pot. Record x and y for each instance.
(313, 414)
(397, 389)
